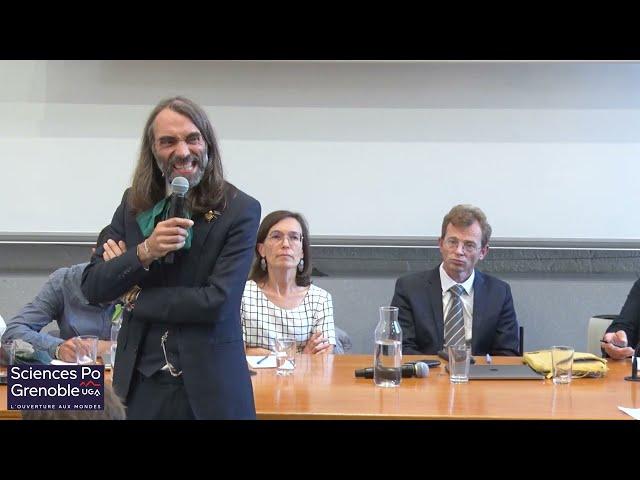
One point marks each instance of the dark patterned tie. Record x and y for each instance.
(454, 323)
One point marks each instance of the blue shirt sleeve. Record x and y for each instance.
(48, 305)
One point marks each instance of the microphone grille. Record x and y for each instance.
(180, 185)
(422, 369)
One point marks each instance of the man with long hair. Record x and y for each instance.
(180, 350)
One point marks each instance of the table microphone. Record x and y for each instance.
(418, 369)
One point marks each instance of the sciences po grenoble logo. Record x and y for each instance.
(55, 387)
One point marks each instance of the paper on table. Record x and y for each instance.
(632, 412)
(60, 362)
(269, 362)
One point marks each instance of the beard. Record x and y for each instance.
(198, 161)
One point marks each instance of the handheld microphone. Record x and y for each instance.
(179, 188)
(418, 369)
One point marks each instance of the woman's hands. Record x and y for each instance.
(317, 344)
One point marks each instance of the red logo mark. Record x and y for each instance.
(89, 384)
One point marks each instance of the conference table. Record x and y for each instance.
(325, 387)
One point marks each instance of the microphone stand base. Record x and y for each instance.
(632, 379)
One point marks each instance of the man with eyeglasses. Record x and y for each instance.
(180, 351)
(454, 303)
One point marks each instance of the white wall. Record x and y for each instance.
(548, 150)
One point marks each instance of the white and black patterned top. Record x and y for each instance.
(263, 321)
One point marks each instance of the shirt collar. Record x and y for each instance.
(447, 282)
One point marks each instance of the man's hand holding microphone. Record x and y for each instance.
(168, 236)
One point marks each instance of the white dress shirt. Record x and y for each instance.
(467, 299)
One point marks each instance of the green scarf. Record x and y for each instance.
(147, 220)
(117, 311)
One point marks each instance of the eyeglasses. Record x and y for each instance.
(276, 236)
(468, 247)
(172, 370)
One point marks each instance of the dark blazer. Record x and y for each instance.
(419, 298)
(629, 318)
(199, 296)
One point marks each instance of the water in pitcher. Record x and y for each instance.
(387, 363)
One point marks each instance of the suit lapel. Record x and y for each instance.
(434, 287)
(201, 231)
(479, 306)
